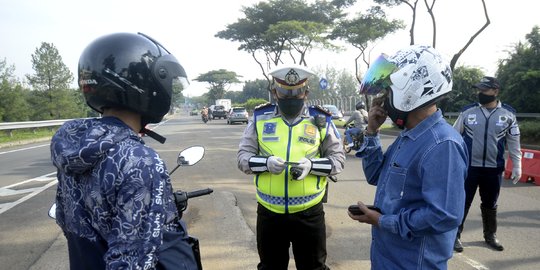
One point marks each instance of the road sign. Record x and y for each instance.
(323, 83)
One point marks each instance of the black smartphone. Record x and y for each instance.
(355, 210)
(291, 163)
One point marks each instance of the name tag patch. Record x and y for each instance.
(306, 140)
(270, 139)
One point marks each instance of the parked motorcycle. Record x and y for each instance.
(188, 157)
(358, 139)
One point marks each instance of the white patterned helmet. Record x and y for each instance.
(417, 76)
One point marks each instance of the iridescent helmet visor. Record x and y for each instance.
(377, 78)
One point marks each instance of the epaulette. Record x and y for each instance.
(508, 107)
(264, 109)
(317, 109)
(466, 107)
(262, 105)
(321, 117)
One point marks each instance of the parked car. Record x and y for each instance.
(237, 114)
(337, 115)
(219, 112)
(194, 112)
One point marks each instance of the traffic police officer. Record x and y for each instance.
(291, 148)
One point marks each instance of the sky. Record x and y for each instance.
(187, 29)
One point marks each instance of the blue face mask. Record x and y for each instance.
(290, 107)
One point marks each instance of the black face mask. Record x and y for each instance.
(290, 107)
(485, 99)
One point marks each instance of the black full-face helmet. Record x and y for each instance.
(360, 105)
(130, 71)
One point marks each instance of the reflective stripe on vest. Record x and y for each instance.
(279, 192)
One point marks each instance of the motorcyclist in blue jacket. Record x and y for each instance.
(115, 202)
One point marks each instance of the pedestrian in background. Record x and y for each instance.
(291, 149)
(488, 127)
(420, 176)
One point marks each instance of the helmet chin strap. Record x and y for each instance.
(398, 117)
(153, 135)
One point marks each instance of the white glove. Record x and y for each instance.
(275, 164)
(516, 175)
(305, 165)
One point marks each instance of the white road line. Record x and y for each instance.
(45, 177)
(22, 149)
(474, 264)
(7, 191)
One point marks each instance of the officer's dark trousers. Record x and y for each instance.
(305, 230)
(487, 181)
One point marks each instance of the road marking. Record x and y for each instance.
(22, 149)
(474, 264)
(8, 191)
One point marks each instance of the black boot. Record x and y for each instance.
(489, 220)
(458, 246)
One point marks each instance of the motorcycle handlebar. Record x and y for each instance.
(198, 193)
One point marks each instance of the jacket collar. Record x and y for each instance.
(423, 126)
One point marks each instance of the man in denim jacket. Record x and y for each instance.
(420, 191)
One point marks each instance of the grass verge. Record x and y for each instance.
(26, 135)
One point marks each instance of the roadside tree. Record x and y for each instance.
(519, 74)
(271, 31)
(52, 97)
(13, 96)
(220, 81)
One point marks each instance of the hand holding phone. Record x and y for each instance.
(355, 210)
(377, 114)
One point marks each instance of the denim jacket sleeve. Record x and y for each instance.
(372, 158)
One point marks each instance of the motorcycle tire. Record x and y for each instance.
(346, 148)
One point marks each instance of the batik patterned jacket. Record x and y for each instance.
(113, 192)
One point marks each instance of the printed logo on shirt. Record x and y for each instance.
(471, 119)
(269, 128)
(310, 131)
(503, 119)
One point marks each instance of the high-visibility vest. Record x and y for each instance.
(279, 192)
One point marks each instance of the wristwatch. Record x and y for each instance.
(370, 134)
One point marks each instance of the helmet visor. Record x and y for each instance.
(179, 83)
(377, 78)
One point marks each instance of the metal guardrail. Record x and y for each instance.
(31, 124)
(8, 127)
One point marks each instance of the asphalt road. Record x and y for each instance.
(225, 220)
